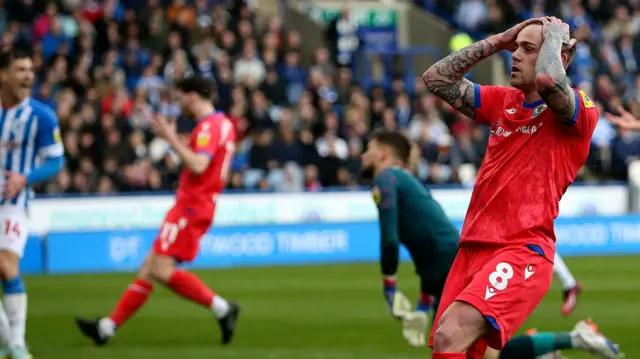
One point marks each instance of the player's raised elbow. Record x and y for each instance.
(200, 164)
(429, 76)
(59, 162)
(198, 168)
(55, 165)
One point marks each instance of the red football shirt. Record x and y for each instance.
(215, 137)
(531, 159)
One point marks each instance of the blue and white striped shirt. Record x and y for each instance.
(29, 134)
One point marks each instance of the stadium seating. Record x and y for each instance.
(106, 68)
(606, 65)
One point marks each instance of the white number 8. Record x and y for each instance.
(500, 278)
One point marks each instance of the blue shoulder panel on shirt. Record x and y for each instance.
(575, 114)
(477, 95)
(46, 116)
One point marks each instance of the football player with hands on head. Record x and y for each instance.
(540, 136)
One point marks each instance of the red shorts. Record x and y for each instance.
(505, 283)
(180, 233)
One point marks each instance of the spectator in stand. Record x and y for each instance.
(107, 66)
(606, 65)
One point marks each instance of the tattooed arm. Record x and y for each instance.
(445, 78)
(552, 82)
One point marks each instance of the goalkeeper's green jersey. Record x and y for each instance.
(409, 215)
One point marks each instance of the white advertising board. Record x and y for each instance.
(147, 211)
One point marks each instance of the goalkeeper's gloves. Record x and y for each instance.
(389, 288)
(414, 324)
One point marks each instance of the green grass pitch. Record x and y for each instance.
(315, 312)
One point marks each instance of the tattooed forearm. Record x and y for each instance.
(446, 79)
(551, 79)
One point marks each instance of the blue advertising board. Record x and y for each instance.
(32, 259)
(108, 251)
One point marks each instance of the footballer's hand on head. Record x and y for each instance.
(625, 120)
(507, 39)
(552, 26)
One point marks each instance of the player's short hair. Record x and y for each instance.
(396, 141)
(206, 88)
(7, 56)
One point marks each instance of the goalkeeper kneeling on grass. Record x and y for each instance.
(410, 216)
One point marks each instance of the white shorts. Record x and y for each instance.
(13, 229)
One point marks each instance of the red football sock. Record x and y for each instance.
(448, 356)
(191, 287)
(133, 298)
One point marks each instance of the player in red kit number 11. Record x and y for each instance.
(206, 159)
(540, 134)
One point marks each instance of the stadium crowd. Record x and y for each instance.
(106, 67)
(606, 66)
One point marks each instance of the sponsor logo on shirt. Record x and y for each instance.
(57, 138)
(498, 130)
(586, 100)
(203, 138)
(529, 130)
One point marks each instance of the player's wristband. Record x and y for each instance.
(389, 282)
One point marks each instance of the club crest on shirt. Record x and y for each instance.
(57, 138)
(375, 192)
(538, 110)
(203, 139)
(586, 100)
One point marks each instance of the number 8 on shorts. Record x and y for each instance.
(500, 278)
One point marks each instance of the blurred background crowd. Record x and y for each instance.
(606, 66)
(106, 67)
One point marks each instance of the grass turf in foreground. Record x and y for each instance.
(324, 312)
